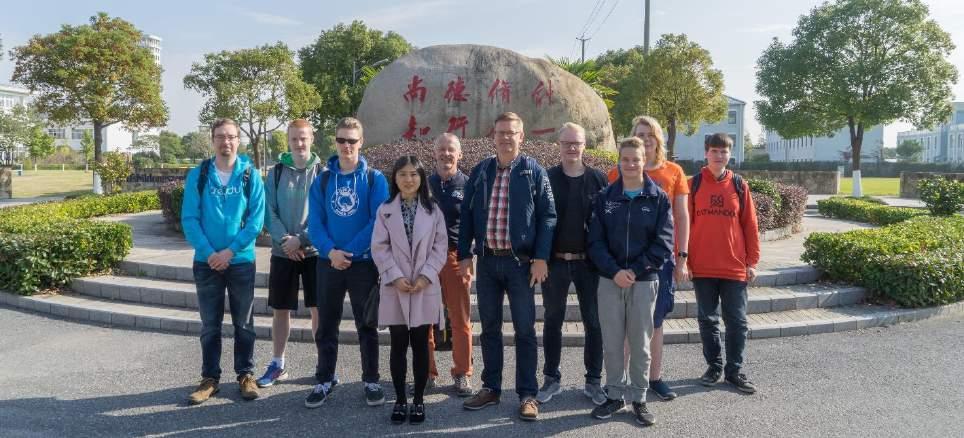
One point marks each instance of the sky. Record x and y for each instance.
(734, 32)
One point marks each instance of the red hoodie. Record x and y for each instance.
(724, 241)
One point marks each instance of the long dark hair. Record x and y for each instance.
(424, 194)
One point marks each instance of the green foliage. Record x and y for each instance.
(87, 146)
(96, 72)
(41, 144)
(261, 88)
(171, 196)
(197, 145)
(943, 196)
(909, 150)
(170, 146)
(47, 245)
(591, 74)
(329, 62)
(857, 63)
(677, 84)
(609, 157)
(863, 211)
(145, 160)
(17, 127)
(916, 263)
(114, 170)
(278, 143)
(768, 188)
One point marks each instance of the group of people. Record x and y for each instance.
(405, 249)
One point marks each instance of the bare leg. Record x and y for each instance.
(656, 354)
(281, 329)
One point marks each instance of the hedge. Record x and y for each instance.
(863, 211)
(915, 263)
(46, 245)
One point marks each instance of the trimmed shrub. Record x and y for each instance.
(915, 263)
(47, 245)
(766, 187)
(793, 206)
(863, 211)
(942, 196)
(766, 210)
(171, 195)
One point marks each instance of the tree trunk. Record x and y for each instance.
(856, 142)
(670, 138)
(98, 156)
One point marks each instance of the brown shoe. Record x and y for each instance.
(249, 389)
(204, 391)
(485, 397)
(529, 409)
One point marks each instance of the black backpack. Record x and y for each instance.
(737, 184)
(277, 173)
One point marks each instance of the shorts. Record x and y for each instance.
(665, 295)
(283, 282)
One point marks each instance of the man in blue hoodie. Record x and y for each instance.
(222, 215)
(341, 213)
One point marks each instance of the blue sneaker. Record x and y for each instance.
(273, 374)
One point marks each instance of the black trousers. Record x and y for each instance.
(403, 336)
(358, 280)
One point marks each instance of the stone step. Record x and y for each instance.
(179, 320)
(802, 274)
(182, 294)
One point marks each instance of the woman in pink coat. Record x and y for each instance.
(409, 247)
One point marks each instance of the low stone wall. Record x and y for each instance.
(6, 183)
(909, 180)
(151, 178)
(816, 183)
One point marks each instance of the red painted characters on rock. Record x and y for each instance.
(415, 90)
(456, 91)
(413, 129)
(542, 92)
(501, 89)
(456, 123)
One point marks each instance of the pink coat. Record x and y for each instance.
(396, 259)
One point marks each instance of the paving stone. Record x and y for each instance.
(122, 319)
(764, 332)
(759, 306)
(845, 325)
(128, 294)
(101, 316)
(174, 325)
(152, 296)
(147, 322)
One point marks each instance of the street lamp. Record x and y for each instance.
(355, 70)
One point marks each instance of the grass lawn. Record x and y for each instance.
(51, 183)
(872, 186)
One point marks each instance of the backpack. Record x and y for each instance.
(737, 184)
(277, 173)
(203, 180)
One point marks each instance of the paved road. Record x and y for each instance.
(58, 378)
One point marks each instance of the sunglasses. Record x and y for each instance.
(350, 141)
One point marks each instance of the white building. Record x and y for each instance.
(944, 143)
(831, 148)
(153, 43)
(692, 147)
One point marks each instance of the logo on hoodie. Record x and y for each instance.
(344, 201)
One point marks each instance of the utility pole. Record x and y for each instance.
(583, 40)
(646, 30)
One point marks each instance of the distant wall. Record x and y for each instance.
(816, 183)
(909, 180)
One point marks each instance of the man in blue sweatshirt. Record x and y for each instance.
(222, 215)
(341, 213)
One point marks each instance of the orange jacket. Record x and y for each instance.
(724, 241)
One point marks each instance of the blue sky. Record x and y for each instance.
(735, 32)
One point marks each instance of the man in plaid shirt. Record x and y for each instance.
(512, 252)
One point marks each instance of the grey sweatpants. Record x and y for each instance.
(626, 313)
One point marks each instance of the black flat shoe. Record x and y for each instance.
(417, 416)
(399, 413)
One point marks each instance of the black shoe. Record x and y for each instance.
(374, 395)
(606, 410)
(711, 377)
(399, 413)
(318, 395)
(417, 416)
(643, 416)
(742, 383)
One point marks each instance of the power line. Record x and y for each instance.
(604, 19)
(592, 16)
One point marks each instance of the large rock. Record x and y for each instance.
(463, 88)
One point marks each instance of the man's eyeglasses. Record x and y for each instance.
(222, 137)
(351, 141)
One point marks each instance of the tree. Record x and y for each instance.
(260, 88)
(96, 73)
(197, 145)
(170, 146)
(909, 150)
(615, 69)
(677, 84)
(278, 143)
(16, 127)
(590, 73)
(747, 144)
(115, 169)
(857, 63)
(87, 148)
(329, 64)
(40, 146)
(146, 143)
(890, 153)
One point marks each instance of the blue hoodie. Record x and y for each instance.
(343, 217)
(213, 222)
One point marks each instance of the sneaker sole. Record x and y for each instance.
(193, 402)
(477, 408)
(281, 378)
(665, 397)
(608, 416)
(549, 396)
(645, 423)
(310, 405)
(744, 390)
(589, 396)
(376, 402)
(523, 418)
(708, 383)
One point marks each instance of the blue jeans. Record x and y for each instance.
(238, 280)
(554, 293)
(499, 276)
(712, 294)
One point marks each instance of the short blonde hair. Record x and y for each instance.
(510, 116)
(630, 143)
(300, 123)
(350, 123)
(571, 126)
(657, 132)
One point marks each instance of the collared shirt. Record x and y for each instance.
(449, 194)
(409, 206)
(497, 225)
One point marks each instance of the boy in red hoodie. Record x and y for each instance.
(723, 253)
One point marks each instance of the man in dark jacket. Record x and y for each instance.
(574, 186)
(509, 213)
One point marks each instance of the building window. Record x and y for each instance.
(731, 118)
(78, 133)
(58, 133)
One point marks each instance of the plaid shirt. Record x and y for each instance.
(497, 225)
